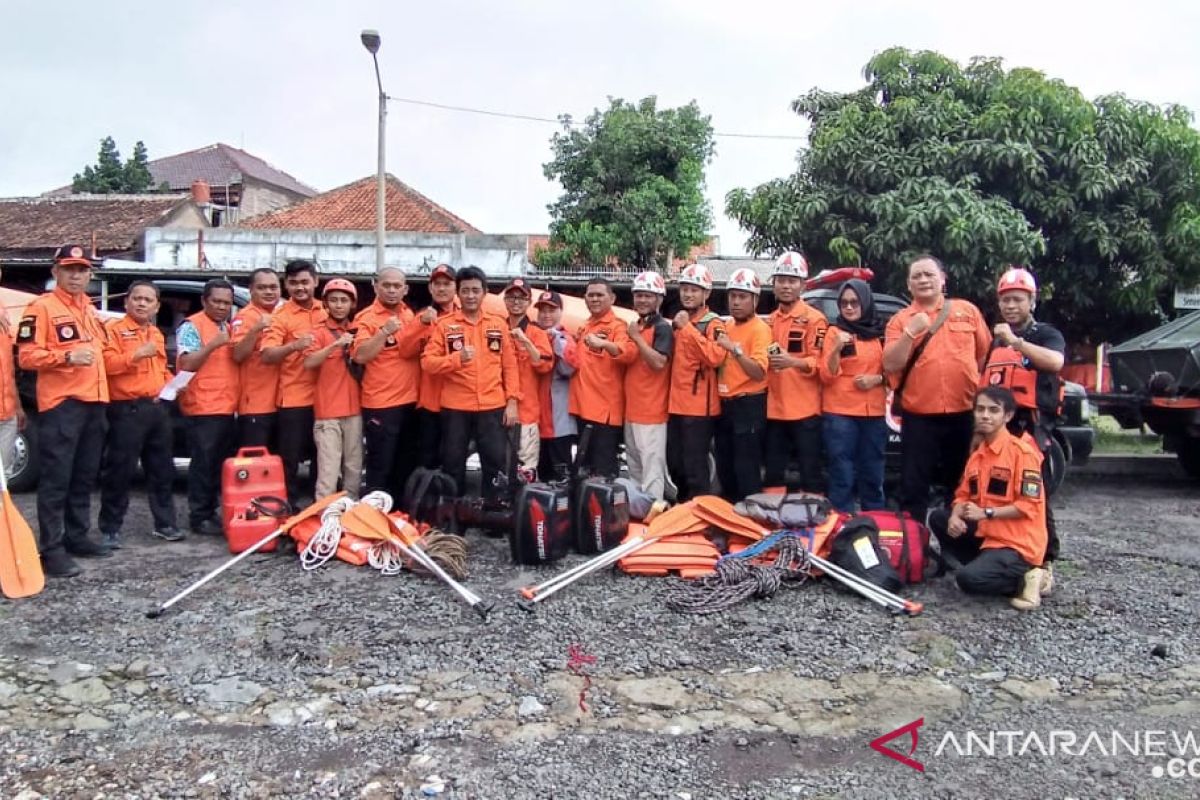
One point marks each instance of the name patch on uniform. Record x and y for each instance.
(998, 480)
(26, 329)
(454, 342)
(66, 331)
(973, 485)
(493, 339)
(1031, 483)
(795, 341)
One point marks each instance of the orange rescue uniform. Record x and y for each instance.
(1006, 472)
(288, 324)
(213, 390)
(840, 395)
(337, 392)
(647, 391)
(596, 394)
(945, 378)
(754, 336)
(793, 393)
(486, 382)
(9, 401)
(532, 375)
(393, 377)
(259, 382)
(54, 324)
(694, 364)
(129, 379)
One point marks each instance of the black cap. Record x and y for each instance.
(71, 254)
(549, 298)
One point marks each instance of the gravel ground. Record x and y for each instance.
(275, 682)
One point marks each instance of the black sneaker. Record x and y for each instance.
(210, 527)
(57, 564)
(86, 548)
(169, 533)
(111, 540)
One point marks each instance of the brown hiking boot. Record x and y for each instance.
(1031, 591)
(1048, 579)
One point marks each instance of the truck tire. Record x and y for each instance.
(1189, 457)
(1056, 467)
(23, 472)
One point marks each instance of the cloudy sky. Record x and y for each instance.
(290, 82)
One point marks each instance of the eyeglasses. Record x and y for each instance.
(848, 303)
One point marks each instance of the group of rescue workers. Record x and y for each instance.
(375, 394)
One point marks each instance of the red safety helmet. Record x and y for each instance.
(1017, 279)
(340, 285)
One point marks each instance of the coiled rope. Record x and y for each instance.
(738, 579)
(324, 543)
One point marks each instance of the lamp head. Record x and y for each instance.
(371, 41)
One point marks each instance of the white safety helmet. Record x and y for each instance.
(650, 282)
(746, 280)
(697, 275)
(791, 264)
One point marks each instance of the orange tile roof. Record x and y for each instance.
(352, 208)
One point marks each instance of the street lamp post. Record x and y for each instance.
(371, 41)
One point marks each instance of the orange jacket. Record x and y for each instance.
(490, 378)
(9, 400)
(259, 382)
(596, 394)
(129, 379)
(213, 390)
(336, 394)
(54, 324)
(840, 395)
(694, 366)
(946, 376)
(1008, 472)
(754, 336)
(289, 323)
(792, 393)
(648, 391)
(532, 375)
(393, 377)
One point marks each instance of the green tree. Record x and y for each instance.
(985, 167)
(633, 186)
(110, 176)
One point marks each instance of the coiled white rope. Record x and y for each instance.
(324, 543)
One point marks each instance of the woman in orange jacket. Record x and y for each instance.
(853, 400)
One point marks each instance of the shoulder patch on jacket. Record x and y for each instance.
(1031, 483)
(27, 328)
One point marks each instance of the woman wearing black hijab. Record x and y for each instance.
(853, 399)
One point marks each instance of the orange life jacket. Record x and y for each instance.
(1006, 367)
(214, 389)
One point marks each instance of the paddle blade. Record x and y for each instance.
(719, 513)
(677, 519)
(311, 511)
(20, 565)
(370, 522)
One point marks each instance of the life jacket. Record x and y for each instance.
(702, 372)
(688, 555)
(1007, 368)
(213, 390)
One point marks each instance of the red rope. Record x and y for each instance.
(577, 659)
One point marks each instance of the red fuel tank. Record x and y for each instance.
(243, 531)
(253, 472)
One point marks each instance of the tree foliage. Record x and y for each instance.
(986, 167)
(110, 176)
(633, 186)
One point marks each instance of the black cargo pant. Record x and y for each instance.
(802, 438)
(425, 428)
(739, 440)
(390, 456)
(256, 430)
(70, 444)
(933, 452)
(555, 461)
(599, 443)
(137, 429)
(294, 429)
(992, 571)
(689, 442)
(210, 442)
(487, 429)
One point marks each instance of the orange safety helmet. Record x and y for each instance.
(1017, 279)
(340, 285)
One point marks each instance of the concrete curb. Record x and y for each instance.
(1163, 466)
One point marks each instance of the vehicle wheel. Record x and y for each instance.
(23, 471)
(1057, 470)
(1189, 457)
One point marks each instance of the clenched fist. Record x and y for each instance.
(917, 325)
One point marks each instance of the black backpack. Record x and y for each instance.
(430, 496)
(856, 549)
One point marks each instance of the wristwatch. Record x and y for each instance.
(737, 350)
(990, 513)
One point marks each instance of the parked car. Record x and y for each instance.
(180, 299)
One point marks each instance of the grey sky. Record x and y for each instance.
(291, 83)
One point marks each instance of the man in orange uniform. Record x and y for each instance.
(139, 425)
(997, 526)
(287, 338)
(932, 353)
(742, 383)
(473, 353)
(426, 423)
(603, 351)
(648, 387)
(694, 402)
(209, 401)
(388, 345)
(793, 380)
(12, 416)
(535, 359)
(62, 338)
(337, 410)
(259, 381)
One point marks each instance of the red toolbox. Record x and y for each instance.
(253, 472)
